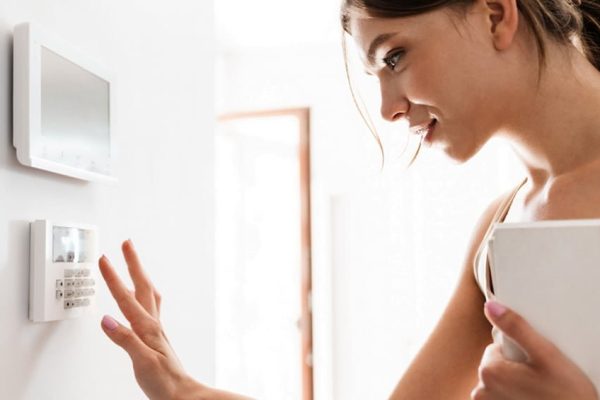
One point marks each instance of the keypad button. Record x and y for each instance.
(69, 283)
(85, 302)
(59, 294)
(87, 272)
(59, 283)
(88, 292)
(69, 293)
(69, 273)
(69, 304)
(88, 282)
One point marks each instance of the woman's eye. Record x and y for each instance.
(392, 60)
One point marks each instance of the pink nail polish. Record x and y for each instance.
(109, 323)
(495, 309)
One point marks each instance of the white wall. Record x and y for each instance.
(162, 53)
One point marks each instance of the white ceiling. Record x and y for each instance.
(243, 23)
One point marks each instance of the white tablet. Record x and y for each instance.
(63, 108)
(549, 272)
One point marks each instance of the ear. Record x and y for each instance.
(503, 21)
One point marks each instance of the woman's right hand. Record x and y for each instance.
(544, 372)
(157, 369)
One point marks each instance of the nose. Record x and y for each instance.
(394, 105)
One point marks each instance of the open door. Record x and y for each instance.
(263, 267)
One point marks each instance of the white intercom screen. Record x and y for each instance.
(70, 245)
(75, 116)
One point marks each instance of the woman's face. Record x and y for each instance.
(439, 68)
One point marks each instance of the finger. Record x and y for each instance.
(489, 371)
(132, 310)
(123, 337)
(480, 392)
(144, 290)
(537, 347)
(496, 373)
(492, 353)
(500, 377)
(158, 299)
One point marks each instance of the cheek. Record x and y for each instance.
(438, 77)
(453, 83)
(426, 85)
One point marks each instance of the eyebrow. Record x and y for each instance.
(378, 41)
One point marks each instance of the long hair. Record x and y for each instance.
(565, 21)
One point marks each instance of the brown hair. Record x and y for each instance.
(565, 21)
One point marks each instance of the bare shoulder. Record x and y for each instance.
(483, 224)
(468, 298)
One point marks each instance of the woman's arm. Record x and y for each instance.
(157, 369)
(446, 366)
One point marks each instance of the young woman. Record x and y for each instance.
(460, 72)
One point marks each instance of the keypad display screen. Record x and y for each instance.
(69, 245)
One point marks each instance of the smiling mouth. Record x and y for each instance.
(425, 131)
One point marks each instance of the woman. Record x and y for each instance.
(460, 72)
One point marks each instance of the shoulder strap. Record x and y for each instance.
(481, 255)
(505, 206)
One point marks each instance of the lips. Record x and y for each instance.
(424, 129)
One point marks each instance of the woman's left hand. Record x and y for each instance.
(546, 375)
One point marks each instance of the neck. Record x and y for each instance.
(557, 131)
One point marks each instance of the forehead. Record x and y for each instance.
(370, 32)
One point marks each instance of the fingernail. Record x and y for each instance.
(130, 243)
(495, 309)
(109, 323)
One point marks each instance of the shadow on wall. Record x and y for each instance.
(22, 345)
(6, 50)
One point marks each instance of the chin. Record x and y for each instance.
(459, 155)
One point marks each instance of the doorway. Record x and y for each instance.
(263, 269)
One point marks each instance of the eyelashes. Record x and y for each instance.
(393, 58)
